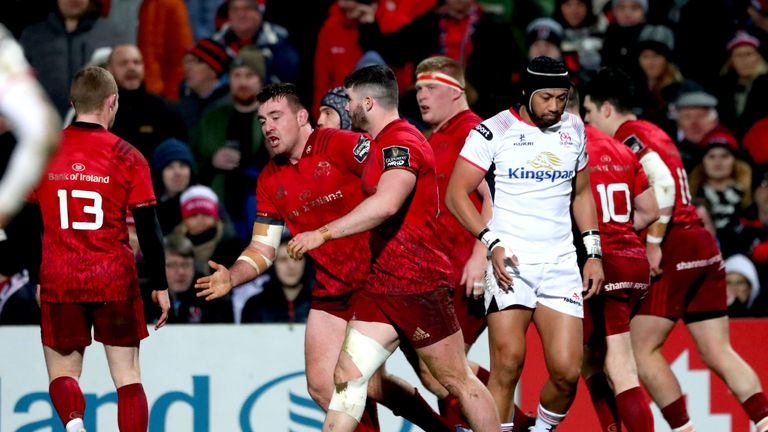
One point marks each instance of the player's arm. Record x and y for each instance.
(663, 185)
(255, 259)
(394, 187)
(473, 273)
(151, 243)
(585, 215)
(646, 209)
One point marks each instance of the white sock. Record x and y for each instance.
(507, 427)
(762, 425)
(75, 425)
(547, 421)
(688, 427)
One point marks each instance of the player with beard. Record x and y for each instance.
(533, 275)
(314, 178)
(88, 278)
(407, 291)
(34, 122)
(688, 276)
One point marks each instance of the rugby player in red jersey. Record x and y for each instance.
(406, 293)
(88, 273)
(688, 276)
(313, 179)
(625, 204)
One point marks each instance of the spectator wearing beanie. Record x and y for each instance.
(173, 170)
(246, 26)
(698, 125)
(662, 77)
(543, 37)
(211, 238)
(229, 142)
(333, 113)
(743, 286)
(743, 84)
(582, 37)
(621, 37)
(204, 65)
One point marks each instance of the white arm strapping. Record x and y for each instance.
(269, 238)
(660, 178)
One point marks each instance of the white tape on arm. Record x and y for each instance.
(660, 178)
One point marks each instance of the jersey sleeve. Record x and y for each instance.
(637, 145)
(140, 191)
(266, 211)
(583, 159)
(403, 155)
(641, 179)
(479, 147)
(351, 151)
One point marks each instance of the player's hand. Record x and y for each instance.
(226, 159)
(592, 278)
(500, 260)
(653, 250)
(303, 243)
(473, 276)
(161, 298)
(216, 285)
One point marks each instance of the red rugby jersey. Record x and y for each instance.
(91, 183)
(455, 241)
(641, 136)
(406, 253)
(617, 178)
(322, 187)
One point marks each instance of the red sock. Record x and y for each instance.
(634, 411)
(603, 401)
(450, 411)
(370, 420)
(483, 375)
(756, 407)
(521, 420)
(132, 409)
(67, 398)
(676, 413)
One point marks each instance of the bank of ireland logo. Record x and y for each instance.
(77, 166)
(545, 160)
(259, 411)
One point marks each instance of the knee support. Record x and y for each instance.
(367, 355)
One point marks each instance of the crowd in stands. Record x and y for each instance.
(188, 73)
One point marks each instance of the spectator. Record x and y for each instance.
(211, 238)
(287, 295)
(755, 142)
(726, 183)
(202, 14)
(743, 84)
(63, 43)
(743, 286)
(144, 120)
(17, 300)
(229, 142)
(582, 39)
(164, 36)
(173, 169)
(656, 45)
(698, 126)
(620, 40)
(543, 37)
(204, 65)
(247, 27)
(756, 227)
(186, 307)
(333, 112)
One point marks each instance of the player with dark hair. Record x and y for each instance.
(687, 269)
(540, 157)
(88, 274)
(407, 291)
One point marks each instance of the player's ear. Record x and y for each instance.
(607, 109)
(303, 116)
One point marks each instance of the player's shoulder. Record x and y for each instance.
(493, 128)
(574, 122)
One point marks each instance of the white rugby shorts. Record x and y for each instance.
(555, 285)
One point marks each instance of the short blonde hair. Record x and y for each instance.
(446, 65)
(91, 87)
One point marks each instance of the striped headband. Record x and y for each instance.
(439, 78)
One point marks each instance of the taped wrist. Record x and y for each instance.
(490, 239)
(591, 239)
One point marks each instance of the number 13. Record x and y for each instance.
(94, 209)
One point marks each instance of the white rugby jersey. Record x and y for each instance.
(534, 173)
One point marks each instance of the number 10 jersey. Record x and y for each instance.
(91, 183)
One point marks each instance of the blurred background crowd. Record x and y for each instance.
(189, 71)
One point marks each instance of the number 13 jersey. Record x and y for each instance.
(91, 183)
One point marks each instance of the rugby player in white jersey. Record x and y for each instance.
(34, 122)
(540, 155)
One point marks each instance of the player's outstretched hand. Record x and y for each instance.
(502, 261)
(593, 277)
(653, 250)
(473, 276)
(304, 242)
(216, 285)
(161, 298)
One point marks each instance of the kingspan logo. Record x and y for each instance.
(545, 167)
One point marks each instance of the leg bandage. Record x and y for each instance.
(367, 355)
